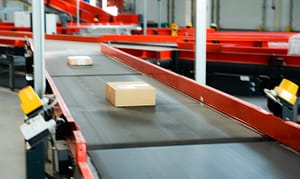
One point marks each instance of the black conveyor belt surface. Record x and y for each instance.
(214, 161)
(176, 119)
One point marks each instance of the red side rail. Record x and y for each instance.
(221, 53)
(70, 8)
(62, 6)
(127, 18)
(118, 3)
(240, 57)
(252, 58)
(12, 43)
(138, 38)
(152, 54)
(250, 39)
(89, 12)
(11, 27)
(76, 143)
(285, 132)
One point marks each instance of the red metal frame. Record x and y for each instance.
(258, 59)
(89, 12)
(222, 54)
(12, 42)
(59, 29)
(221, 46)
(104, 38)
(285, 132)
(118, 3)
(14, 34)
(148, 53)
(261, 39)
(138, 38)
(240, 57)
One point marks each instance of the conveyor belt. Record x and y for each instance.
(215, 161)
(175, 120)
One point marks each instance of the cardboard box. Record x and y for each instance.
(79, 61)
(137, 93)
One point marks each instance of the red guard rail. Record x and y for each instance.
(88, 12)
(216, 52)
(287, 133)
(12, 42)
(63, 6)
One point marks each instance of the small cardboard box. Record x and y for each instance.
(79, 61)
(137, 93)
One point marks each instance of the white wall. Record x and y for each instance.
(182, 12)
(286, 7)
(7, 9)
(270, 13)
(231, 14)
(240, 14)
(153, 10)
(296, 15)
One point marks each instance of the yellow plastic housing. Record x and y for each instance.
(174, 29)
(287, 91)
(30, 101)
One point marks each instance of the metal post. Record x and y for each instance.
(286, 15)
(39, 48)
(78, 12)
(269, 24)
(4, 15)
(35, 163)
(145, 17)
(134, 7)
(200, 61)
(159, 12)
(209, 13)
(188, 15)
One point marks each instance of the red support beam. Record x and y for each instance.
(148, 53)
(12, 42)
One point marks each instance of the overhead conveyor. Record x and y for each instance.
(180, 137)
(89, 12)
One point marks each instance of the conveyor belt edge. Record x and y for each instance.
(77, 142)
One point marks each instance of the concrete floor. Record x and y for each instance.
(12, 153)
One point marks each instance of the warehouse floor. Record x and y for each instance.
(12, 152)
